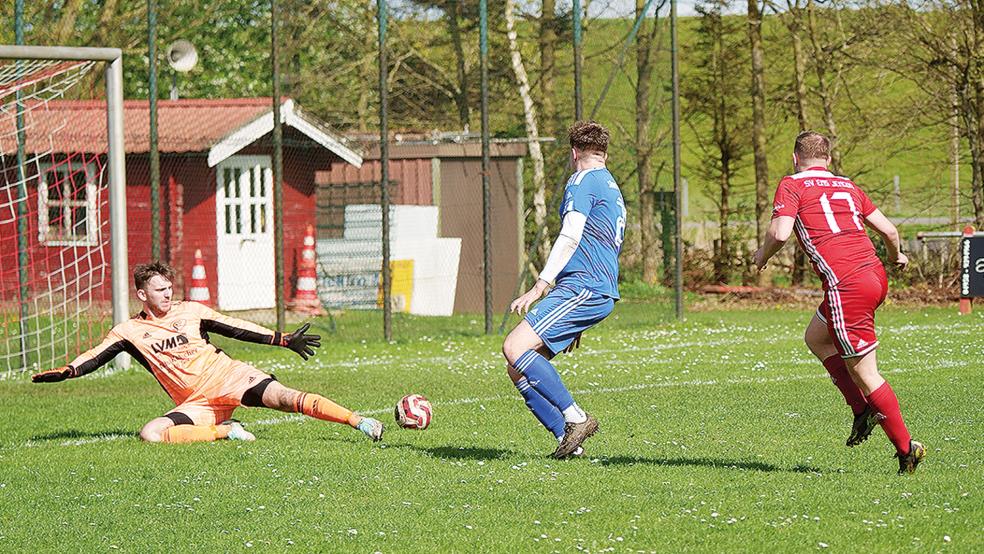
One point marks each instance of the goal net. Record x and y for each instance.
(55, 255)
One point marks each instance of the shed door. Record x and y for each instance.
(244, 217)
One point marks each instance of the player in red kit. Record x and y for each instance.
(828, 214)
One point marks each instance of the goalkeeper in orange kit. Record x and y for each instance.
(170, 339)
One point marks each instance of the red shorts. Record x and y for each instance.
(213, 401)
(848, 309)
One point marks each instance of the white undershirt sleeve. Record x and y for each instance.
(565, 245)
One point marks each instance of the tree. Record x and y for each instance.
(944, 45)
(792, 17)
(530, 118)
(646, 47)
(548, 69)
(718, 71)
(758, 119)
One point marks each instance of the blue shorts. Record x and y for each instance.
(560, 317)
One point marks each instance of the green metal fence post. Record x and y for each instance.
(678, 201)
(486, 190)
(384, 171)
(278, 181)
(22, 231)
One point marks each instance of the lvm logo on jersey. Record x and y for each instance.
(167, 344)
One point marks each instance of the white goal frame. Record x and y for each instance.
(116, 156)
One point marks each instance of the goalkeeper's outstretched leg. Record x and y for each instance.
(278, 397)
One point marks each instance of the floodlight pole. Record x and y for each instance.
(486, 190)
(155, 159)
(677, 191)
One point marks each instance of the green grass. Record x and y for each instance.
(718, 434)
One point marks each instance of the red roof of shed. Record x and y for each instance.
(184, 125)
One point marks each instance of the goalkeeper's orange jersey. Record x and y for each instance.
(175, 348)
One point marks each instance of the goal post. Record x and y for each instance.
(35, 70)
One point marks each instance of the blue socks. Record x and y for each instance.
(544, 379)
(545, 412)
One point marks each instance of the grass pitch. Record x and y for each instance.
(721, 433)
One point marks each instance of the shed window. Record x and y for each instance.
(67, 207)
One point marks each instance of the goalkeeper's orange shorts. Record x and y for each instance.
(222, 392)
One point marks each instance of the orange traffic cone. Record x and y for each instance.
(306, 292)
(199, 286)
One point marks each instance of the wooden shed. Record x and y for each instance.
(446, 173)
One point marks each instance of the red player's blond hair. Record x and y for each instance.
(811, 145)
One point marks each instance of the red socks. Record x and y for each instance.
(838, 373)
(883, 400)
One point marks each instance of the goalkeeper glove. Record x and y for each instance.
(53, 375)
(303, 344)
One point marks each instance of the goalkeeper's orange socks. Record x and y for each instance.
(195, 433)
(319, 407)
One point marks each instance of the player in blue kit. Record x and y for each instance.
(584, 262)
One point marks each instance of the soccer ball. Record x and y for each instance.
(413, 411)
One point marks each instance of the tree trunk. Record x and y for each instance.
(532, 132)
(762, 211)
(548, 42)
(722, 259)
(643, 147)
(461, 95)
(820, 63)
(973, 113)
(65, 28)
(799, 62)
(977, 181)
(795, 25)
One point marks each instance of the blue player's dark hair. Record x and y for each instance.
(589, 136)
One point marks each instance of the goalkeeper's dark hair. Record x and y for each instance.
(589, 136)
(145, 272)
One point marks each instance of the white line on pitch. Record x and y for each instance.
(297, 418)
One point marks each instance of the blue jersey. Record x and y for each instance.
(594, 265)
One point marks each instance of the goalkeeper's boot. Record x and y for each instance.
(908, 462)
(237, 432)
(574, 435)
(373, 428)
(864, 424)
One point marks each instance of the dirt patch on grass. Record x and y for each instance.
(743, 298)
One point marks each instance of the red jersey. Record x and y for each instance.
(830, 213)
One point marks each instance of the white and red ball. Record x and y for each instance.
(413, 411)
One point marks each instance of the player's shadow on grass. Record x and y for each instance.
(74, 434)
(458, 452)
(443, 452)
(467, 453)
(706, 462)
